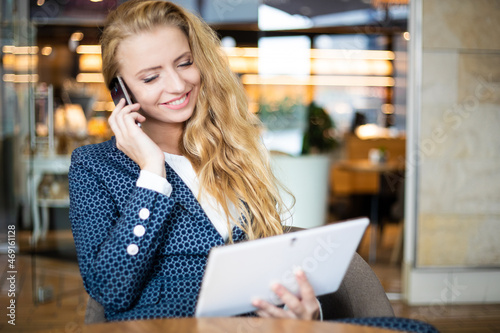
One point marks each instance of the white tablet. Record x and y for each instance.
(238, 273)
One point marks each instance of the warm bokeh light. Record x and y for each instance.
(89, 78)
(46, 50)
(20, 78)
(352, 54)
(88, 49)
(319, 80)
(351, 67)
(90, 63)
(387, 108)
(76, 36)
(19, 63)
(11, 49)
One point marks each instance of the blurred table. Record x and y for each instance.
(363, 166)
(232, 324)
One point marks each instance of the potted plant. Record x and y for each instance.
(319, 136)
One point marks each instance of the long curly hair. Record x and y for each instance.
(222, 138)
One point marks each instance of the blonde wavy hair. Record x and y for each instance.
(222, 138)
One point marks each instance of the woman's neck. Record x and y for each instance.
(166, 136)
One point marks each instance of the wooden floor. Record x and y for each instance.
(50, 296)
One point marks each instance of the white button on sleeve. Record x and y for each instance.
(139, 230)
(132, 249)
(144, 213)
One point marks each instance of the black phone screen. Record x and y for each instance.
(119, 90)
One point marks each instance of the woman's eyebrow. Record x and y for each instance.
(159, 67)
(182, 55)
(147, 70)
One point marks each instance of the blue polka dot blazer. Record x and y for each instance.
(141, 254)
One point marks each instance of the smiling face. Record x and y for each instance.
(159, 69)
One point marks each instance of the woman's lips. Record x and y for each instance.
(178, 103)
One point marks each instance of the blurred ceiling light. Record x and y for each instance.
(90, 63)
(95, 0)
(242, 51)
(8, 49)
(319, 53)
(88, 49)
(110, 106)
(319, 80)
(352, 54)
(244, 65)
(103, 106)
(26, 50)
(370, 131)
(406, 35)
(22, 78)
(76, 36)
(90, 77)
(40, 2)
(387, 108)
(46, 50)
(20, 50)
(8, 62)
(351, 67)
(19, 63)
(387, 3)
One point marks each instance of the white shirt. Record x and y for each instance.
(184, 169)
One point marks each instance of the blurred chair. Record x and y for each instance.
(94, 313)
(397, 212)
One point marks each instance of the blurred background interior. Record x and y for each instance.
(380, 108)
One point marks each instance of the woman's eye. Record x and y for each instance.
(186, 64)
(149, 79)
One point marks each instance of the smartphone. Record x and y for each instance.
(119, 90)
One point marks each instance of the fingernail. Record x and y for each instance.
(300, 273)
(277, 288)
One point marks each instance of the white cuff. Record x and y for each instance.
(152, 181)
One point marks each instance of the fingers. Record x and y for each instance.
(123, 122)
(133, 141)
(309, 302)
(292, 302)
(268, 310)
(304, 306)
(123, 117)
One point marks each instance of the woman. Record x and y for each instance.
(147, 206)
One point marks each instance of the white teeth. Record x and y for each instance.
(179, 101)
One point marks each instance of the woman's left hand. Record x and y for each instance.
(305, 306)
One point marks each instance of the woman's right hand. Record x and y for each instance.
(132, 140)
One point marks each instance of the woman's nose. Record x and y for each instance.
(175, 83)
